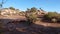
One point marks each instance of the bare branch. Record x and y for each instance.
(1, 4)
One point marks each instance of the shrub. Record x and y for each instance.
(52, 16)
(12, 8)
(54, 20)
(31, 18)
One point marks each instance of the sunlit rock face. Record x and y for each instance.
(7, 12)
(41, 13)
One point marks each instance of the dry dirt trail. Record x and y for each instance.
(47, 24)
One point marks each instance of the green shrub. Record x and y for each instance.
(52, 16)
(12, 8)
(31, 18)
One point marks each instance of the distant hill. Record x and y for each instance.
(6, 12)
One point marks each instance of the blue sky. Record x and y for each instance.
(47, 5)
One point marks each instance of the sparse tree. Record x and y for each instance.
(12, 8)
(33, 9)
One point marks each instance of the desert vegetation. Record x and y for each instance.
(30, 21)
(52, 17)
(31, 15)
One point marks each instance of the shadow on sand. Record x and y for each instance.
(22, 28)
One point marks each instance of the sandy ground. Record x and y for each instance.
(47, 24)
(13, 17)
(22, 28)
(6, 19)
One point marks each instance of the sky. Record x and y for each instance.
(47, 5)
